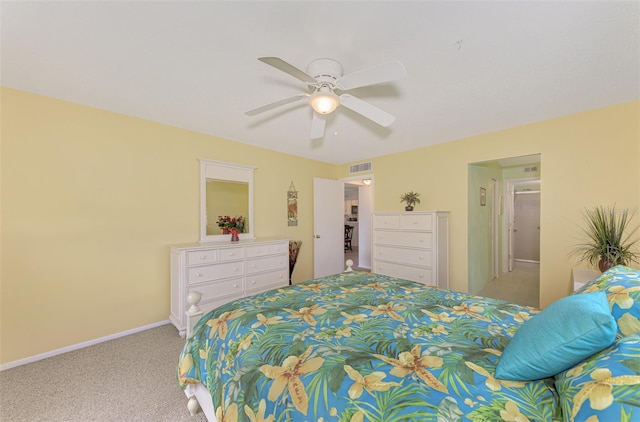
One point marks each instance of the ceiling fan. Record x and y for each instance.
(325, 76)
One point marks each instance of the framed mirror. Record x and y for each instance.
(226, 199)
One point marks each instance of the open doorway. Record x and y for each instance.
(358, 206)
(504, 229)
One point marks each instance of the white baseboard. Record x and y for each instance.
(80, 345)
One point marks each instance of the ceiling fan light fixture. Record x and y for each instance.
(324, 102)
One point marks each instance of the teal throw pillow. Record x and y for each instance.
(562, 335)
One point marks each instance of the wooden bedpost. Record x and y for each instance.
(194, 312)
(193, 406)
(349, 266)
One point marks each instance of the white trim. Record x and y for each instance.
(80, 345)
(220, 170)
(495, 231)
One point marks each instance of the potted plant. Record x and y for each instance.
(411, 198)
(610, 238)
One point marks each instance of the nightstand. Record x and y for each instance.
(581, 276)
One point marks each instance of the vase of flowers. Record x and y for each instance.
(234, 234)
(226, 223)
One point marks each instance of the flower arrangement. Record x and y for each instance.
(226, 222)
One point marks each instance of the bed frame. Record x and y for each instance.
(198, 396)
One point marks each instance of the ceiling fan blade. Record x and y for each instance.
(289, 68)
(317, 125)
(275, 104)
(381, 73)
(369, 111)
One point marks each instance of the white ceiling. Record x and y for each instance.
(473, 67)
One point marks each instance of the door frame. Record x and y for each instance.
(495, 235)
(364, 248)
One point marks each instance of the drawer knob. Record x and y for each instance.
(198, 275)
(253, 265)
(235, 286)
(232, 253)
(253, 282)
(235, 268)
(415, 222)
(203, 257)
(421, 240)
(421, 275)
(421, 257)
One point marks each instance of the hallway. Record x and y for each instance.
(521, 286)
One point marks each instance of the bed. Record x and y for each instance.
(366, 347)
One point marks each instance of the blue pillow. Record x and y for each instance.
(565, 333)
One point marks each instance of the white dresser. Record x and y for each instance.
(413, 246)
(222, 272)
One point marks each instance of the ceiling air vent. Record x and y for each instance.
(530, 169)
(358, 168)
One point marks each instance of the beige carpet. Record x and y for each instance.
(132, 378)
(521, 286)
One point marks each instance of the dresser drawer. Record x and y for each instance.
(214, 272)
(268, 249)
(279, 248)
(218, 289)
(411, 239)
(231, 254)
(386, 221)
(266, 264)
(416, 222)
(421, 257)
(257, 283)
(420, 275)
(206, 256)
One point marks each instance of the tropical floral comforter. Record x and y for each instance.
(362, 347)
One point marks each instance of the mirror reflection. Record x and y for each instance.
(225, 198)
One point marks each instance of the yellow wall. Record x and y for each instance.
(589, 159)
(91, 201)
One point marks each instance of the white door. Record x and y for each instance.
(328, 226)
(526, 226)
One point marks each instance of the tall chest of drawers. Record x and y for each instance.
(413, 246)
(222, 272)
